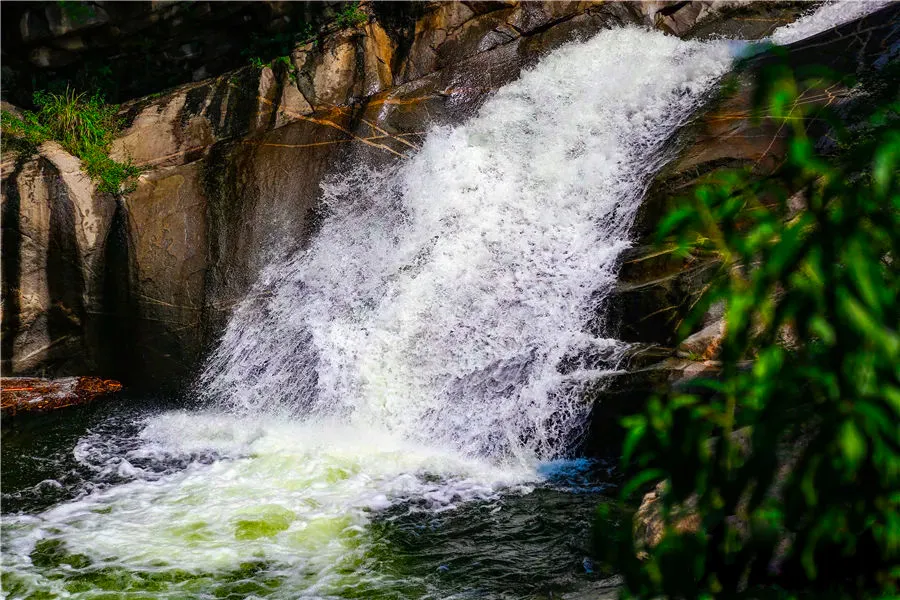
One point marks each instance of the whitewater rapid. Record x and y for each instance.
(411, 356)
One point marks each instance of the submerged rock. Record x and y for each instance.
(20, 395)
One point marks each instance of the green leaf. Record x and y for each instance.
(639, 480)
(853, 444)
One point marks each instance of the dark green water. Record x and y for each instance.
(66, 476)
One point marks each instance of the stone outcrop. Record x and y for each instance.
(55, 230)
(28, 395)
(657, 288)
(649, 525)
(725, 135)
(233, 166)
(705, 344)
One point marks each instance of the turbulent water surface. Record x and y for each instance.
(389, 412)
(276, 510)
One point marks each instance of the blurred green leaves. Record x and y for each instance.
(791, 466)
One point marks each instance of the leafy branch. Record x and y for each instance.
(791, 468)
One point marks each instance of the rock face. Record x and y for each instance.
(138, 287)
(649, 525)
(55, 230)
(26, 395)
(657, 289)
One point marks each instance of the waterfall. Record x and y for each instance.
(447, 298)
(427, 349)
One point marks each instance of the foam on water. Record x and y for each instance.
(282, 492)
(429, 347)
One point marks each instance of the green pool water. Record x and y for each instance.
(115, 501)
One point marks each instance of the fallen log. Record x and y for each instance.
(20, 395)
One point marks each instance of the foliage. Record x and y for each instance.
(804, 500)
(287, 65)
(351, 15)
(275, 50)
(283, 61)
(267, 51)
(85, 126)
(78, 12)
(258, 63)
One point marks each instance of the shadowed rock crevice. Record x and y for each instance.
(65, 278)
(399, 21)
(228, 196)
(130, 49)
(118, 310)
(10, 263)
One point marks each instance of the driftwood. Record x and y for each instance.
(21, 395)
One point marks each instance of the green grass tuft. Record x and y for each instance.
(84, 125)
(351, 16)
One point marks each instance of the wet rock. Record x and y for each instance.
(656, 288)
(655, 291)
(671, 372)
(182, 125)
(647, 371)
(735, 19)
(166, 240)
(26, 395)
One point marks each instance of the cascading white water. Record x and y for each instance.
(446, 299)
(429, 346)
(824, 17)
(440, 298)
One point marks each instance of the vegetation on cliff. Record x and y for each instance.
(783, 480)
(274, 50)
(85, 126)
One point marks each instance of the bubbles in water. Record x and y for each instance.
(294, 497)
